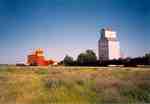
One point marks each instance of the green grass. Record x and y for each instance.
(60, 85)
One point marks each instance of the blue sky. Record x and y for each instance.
(70, 26)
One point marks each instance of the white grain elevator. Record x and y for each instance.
(108, 45)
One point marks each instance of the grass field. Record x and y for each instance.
(74, 85)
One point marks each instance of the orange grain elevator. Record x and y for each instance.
(37, 59)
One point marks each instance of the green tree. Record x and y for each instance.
(87, 58)
(68, 60)
(91, 56)
(81, 60)
(147, 56)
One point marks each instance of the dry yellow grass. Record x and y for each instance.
(73, 85)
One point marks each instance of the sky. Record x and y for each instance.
(70, 27)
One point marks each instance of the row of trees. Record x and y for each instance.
(83, 59)
(89, 59)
